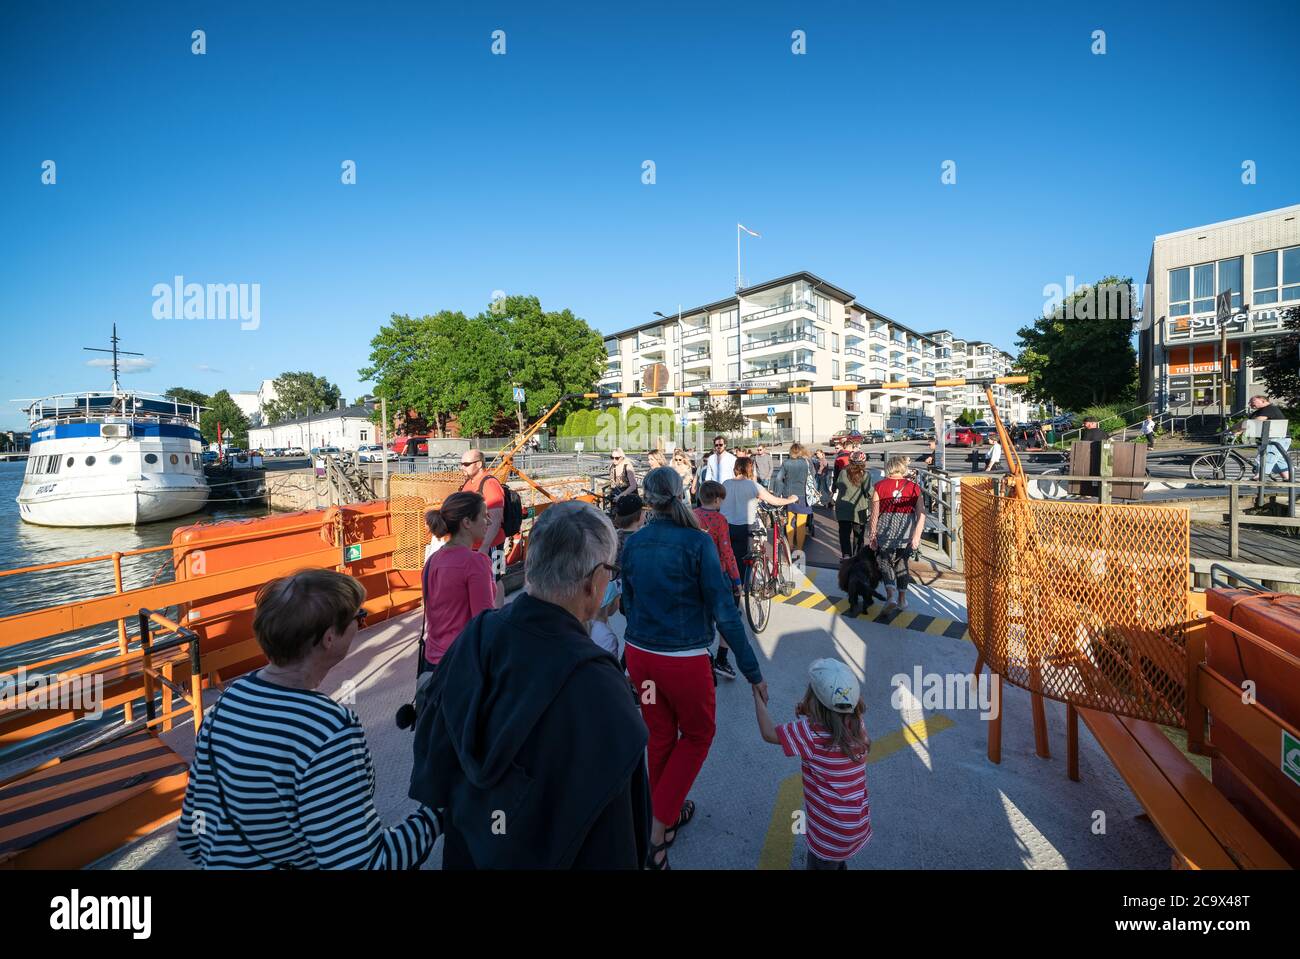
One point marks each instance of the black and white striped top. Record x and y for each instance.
(297, 777)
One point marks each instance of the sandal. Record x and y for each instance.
(658, 865)
(686, 815)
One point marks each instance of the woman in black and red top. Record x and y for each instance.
(897, 519)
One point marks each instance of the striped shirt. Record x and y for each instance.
(836, 807)
(296, 774)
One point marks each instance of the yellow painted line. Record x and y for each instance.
(778, 846)
(902, 620)
(938, 626)
(812, 600)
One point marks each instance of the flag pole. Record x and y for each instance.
(737, 256)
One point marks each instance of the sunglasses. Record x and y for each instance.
(613, 570)
(468, 462)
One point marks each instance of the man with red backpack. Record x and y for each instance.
(479, 480)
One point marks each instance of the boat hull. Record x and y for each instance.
(119, 507)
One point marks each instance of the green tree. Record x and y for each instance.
(229, 416)
(1280, 369)
(184, 395)
(968, 417)
(548, 353)
(1082, 353)
(722, 415)
(294, 391)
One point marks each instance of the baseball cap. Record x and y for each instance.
(834, 685)
(629, 504)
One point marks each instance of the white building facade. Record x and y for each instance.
(1257, 258)
(252, 403)
(345, 428)
(797, 330)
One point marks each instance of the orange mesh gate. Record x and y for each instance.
(1079, 602)
(410, 496)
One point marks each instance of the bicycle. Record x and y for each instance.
(1222, 464)
(769, 568)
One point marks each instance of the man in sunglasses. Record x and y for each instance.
(479, 480)
(719, 466)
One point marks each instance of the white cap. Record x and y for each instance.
(834, 685)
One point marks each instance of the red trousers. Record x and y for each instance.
(677, 708)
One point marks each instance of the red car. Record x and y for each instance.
(963, 436)
(411, 446)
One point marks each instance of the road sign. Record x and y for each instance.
(227, 435)
(1223, 307)
(1291, 757)
(771, 411)
(352, 554)
(684, 422)
(519, 394)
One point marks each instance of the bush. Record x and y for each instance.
(1108, 417)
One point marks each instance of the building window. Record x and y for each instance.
(363, 435)
(1180, 296)
(733, 372)
(835, 369)
(835, 342)
(729, 318)
(733, 345)
(1230, 279)
(1203, 286)
(823, 307)
(835, 400)
(1266, 276)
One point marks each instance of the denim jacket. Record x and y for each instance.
(674, 593)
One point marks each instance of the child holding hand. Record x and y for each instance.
(829, 738)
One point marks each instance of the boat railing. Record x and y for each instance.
(135, 668)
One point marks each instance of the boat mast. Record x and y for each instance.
(115, 351)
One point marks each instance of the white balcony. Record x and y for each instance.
(694, 332)
(780, 313)
(854, 325)
(854, 351)
(779, 342)
(701, 359)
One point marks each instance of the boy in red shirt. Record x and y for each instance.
(715, 524)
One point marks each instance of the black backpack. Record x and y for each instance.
(512, 516)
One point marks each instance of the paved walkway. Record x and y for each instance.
(937, 802)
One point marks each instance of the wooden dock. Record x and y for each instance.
(1262, 554)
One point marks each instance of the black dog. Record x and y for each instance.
(859, 577)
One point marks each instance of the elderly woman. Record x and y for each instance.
(674, 593)
(897, 521)
(530, 739)
(282, 777)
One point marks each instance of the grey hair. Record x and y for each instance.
(568, 541)
(662, 489)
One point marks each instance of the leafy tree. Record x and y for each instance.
(294, 391)
(1280, 369)
(968, 417)
(1082, 354)
(184, 395)
(722, 415)
(229, 416)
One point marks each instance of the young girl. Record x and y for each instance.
(828, 737)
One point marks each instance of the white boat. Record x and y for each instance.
(113, 458)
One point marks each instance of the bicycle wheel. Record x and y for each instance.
(1235, 468)
(1208, 467)
(758, 598)
(785, 568)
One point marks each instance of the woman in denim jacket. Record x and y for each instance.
(674, 593)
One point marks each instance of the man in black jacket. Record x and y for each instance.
(531, 741)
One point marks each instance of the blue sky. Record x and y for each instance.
(523, 172)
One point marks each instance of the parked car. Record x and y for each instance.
(292, 451)
(411, 445)
(962, 436)
(876, 436)
(318, 451)
(374, 453)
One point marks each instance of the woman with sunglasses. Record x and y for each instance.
(458, 582)
(674, 594)
(622, 477)
(282, 777)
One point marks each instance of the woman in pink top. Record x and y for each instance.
(458, 583)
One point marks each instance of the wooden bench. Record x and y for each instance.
(1204, 829)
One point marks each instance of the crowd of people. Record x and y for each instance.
(542, 739)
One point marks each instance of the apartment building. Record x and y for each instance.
(796, 330)
(1257, 259)
(975, 358)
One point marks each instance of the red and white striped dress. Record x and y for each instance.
(836, 806)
